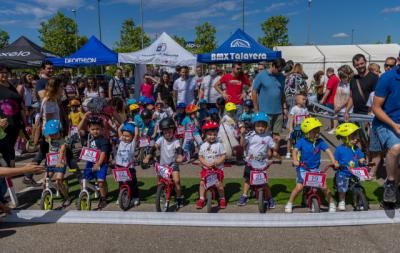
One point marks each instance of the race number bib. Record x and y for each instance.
(315, 179)
(144, 142)
(189, 135)
(90, 155)
(164, 171)
(258, 178)
(211, 180)
(52, 159)
(122, 174)
(74, 130)
(298, 119)
(361, 173)
(180, 130)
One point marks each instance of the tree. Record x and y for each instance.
(205, 38)
(4, 38)
(276, 32)
(130, 38)
(180, 40)
(388, 39)
(58, 35)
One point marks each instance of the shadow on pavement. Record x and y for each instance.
(231, 189)
(6, 233)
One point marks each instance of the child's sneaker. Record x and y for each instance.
(67, 201)
(289, 208)
(200, 203)
(287, 155)
(332, 207)
(271, 203)
(135, 201)
(102, 203)
(242, 201)
(342, 205)
(179, 202)
(222, 203)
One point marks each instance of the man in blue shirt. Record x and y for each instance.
(268, 96)
(386, 107)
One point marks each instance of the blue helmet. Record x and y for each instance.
(131, 101)
(52, 126)
(248, 103)
(203, 101)
(260, 116)
(148, 101)
(213, 111)
(142, 99)
(128, 127)
(181, 106)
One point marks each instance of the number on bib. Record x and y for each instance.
(189, 135)
(144, 142)
(258, 178)
(315, 179)
(52, 159)
(122, 174)
(90, 155)
(180, 130)
(164, 171)
(74, 130)
(211, 180)
(361, 173)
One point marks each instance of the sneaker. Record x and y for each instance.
(332, 207)
(200, 203)
(102, 203)
(332, 131)
(135, 201)
(271, 203)
(179, 202)
(389, 194)
(222, 203)
(30, 182)
(67, 201)
(342, 205)
(287, 156)
(289, 208)
(242, 201)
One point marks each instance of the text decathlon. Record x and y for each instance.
(80, 60)
(238, 56)
(13, 54)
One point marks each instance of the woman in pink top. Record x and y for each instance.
(147, 88)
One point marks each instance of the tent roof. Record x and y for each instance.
(91, 54)
(23, 53)
(163, 51)
(240, 47)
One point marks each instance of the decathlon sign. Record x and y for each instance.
(81, 60)
(238, 56)
(15, 54)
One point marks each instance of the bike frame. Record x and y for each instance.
(256, 188)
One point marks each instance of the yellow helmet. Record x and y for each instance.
(230, 107)
(133, 107)
(346, 129)
(309, 124)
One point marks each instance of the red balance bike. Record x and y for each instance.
(258, 180)
(123, 176)
(165, 187)
(210, 183)
(313, 183)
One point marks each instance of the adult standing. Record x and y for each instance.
(268, 96)
(147, 87)
(163, 90)
(236, 85)
(390, 62)
(329, 97)
(295, 83)
(342, 95)
(46, 72)
(386, 107)
(93, 90)
(184, 87)
(318, 84)
(207, 90)
(198, 80)
(117, 86)
(361, 86)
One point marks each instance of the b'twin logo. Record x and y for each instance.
(16, 53)
(240, 43)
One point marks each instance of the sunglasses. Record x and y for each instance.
(388, 65)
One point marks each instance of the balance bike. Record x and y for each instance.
(258, 180)
(210, 182)
(123, 176)
(165, 187)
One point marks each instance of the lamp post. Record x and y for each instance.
(243, 15)
(98, 17)
(352, 36)
(76, 33)
(309, 23)
(141, 17)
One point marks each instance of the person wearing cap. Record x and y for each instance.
(75, 116)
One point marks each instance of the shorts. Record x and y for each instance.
(374, 142)
(100, 175)
(386, 136)
(301, 174)
(246, 173)
(56, 170)
(342, 182)
(220, 174)
(275, 123)
(296, 135)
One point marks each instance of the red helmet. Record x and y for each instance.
(191, 108)
(210, 125)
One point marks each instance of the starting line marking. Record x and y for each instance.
(206, 220)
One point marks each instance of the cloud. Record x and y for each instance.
(168, 4)
(391, 10)
(270, 8)
(8, 22)
(91, 7)
(340, 35)
(58, 4)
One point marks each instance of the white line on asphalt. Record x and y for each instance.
(205, 219)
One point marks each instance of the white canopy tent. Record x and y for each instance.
(318, 57)
(163, 51)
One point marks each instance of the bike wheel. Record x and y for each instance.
(315, 205)
(124, 200)
(360, 202)
(46, 201)
(162, 203)
(209, 201)
(84, 203)
(261, 203)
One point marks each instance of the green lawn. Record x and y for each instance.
(280, 188)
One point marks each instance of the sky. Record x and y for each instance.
(332, 21)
